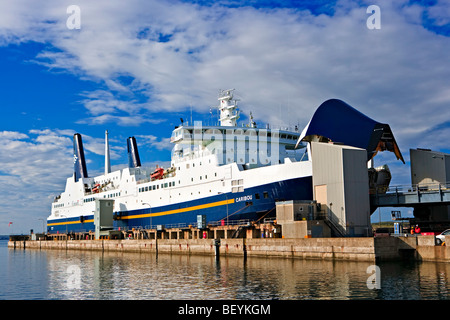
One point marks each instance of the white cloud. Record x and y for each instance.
(104, 107)
(32, 170)
(280, 60)
(119, 120)
(155, 142)
(12, 135)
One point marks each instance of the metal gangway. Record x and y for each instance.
(411, 196)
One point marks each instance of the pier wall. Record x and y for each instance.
(420, 248)
(427, 251)
(360, 249)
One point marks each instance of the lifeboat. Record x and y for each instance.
(157, 174)
(96, 188)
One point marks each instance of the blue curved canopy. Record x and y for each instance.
(338, 122)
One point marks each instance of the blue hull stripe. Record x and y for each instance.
(250, 204)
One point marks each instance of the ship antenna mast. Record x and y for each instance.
(107, 157)
(228, 108)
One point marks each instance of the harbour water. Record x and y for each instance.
(86, 275)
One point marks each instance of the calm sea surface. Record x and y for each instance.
(52, 274)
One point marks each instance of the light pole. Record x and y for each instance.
(226, 197)
(43, 227)
(67, 233)
(150, 207)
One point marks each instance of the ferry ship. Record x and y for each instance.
(223, 173)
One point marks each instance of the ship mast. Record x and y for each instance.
(228, 113)
(107, 158)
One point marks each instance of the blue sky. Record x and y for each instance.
(136, 68)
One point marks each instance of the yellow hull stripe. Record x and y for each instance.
(164, 213)
(68, 222)
(156, 214)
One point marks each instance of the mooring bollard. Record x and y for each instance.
(216, 243)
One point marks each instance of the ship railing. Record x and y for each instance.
(270, 220)
(421, 187)
(164, 226)
(175, 225)
(180, 225)
(224, 222)
(210, 224)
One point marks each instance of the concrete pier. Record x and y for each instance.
(421, 248)
(358, 249)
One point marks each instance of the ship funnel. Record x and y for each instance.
(79, 162)
(133, 154)
(107, 158)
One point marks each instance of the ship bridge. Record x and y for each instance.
(204, 135)
(247, 144)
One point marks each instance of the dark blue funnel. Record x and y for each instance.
(133, 154)
(79, 162)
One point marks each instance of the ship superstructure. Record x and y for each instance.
(223, 172)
